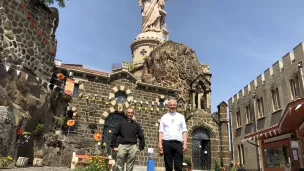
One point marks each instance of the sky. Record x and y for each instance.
(239, 39)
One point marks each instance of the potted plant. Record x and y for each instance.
(187, 161)
(59, 124)
(222, 168)
(39, 129)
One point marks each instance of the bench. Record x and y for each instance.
(84, 159)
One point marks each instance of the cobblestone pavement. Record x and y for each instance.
(39, 169)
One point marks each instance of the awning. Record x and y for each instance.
(293, 116)
(266, 133)
(292, 119)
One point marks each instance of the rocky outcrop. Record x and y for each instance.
(172, 65)
(58, 149)
(27, 51)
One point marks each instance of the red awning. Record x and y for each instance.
(291, 120)
(292, 117)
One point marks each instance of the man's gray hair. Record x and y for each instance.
(130, 108)
(172, 100)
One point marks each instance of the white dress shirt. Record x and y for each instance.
(172, 125)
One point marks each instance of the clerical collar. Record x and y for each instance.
(172, 113)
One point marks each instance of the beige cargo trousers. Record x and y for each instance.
(126, 154)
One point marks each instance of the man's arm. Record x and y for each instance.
(185, 134)
(114, 136)
(185, 137)
(141, 137)
(161, 135)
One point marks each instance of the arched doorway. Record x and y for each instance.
(110, 125)
(201, 149)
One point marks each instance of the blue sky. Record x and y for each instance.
(239, 39)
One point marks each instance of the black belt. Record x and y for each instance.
(128, 143)
(173, 141)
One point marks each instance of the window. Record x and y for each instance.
(293, 89)
(238, 119)
(275, 99)
(239, 154)
(243, 156)
(121, 96)
(260, 107)
(161, 105)
(276, 157)
(248, 114)
(76, 89)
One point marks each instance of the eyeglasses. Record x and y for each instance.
(130, 112)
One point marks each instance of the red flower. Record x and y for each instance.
(53, 51)
(34, 23)
(39, 32)
(20, 131)
(45, 41)
(21, 4)
(29, 15)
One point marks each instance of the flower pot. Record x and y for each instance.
(38, 162)
(58, 131)
(22, 161)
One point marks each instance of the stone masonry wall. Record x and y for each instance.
(27, 35)
(147, 119)
(278, 76)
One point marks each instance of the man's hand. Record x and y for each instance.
(116, 149)
(161, 149)
(184, 147)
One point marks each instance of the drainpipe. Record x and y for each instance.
(230, 139)
(255, 130)
(300, 67)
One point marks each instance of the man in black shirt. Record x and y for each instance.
(128, 132)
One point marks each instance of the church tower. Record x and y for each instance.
(153, 31)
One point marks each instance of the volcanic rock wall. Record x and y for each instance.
(27, 52)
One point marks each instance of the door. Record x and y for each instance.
(201, 149)
(111, 122)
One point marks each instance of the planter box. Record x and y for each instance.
(9, 166)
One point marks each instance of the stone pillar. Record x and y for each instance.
(224, 138)
(199, 100)
(193, 100)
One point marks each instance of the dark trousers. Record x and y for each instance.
(173, 152)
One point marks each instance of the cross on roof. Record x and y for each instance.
(143, 52)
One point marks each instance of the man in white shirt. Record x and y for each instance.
(173, 137)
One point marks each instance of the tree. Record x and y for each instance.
(61, 3)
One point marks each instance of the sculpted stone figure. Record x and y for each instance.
(152, 19)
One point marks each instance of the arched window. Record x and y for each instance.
(243, 156)
(121, 96)
(161, 105)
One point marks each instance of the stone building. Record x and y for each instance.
(160, 70)
(258, 108)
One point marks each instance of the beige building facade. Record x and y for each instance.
(260, 105)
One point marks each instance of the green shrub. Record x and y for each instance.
(39, 129)
(216, 166)
(187, 160)
(96, 165)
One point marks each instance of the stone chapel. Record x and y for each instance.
(160, 70)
